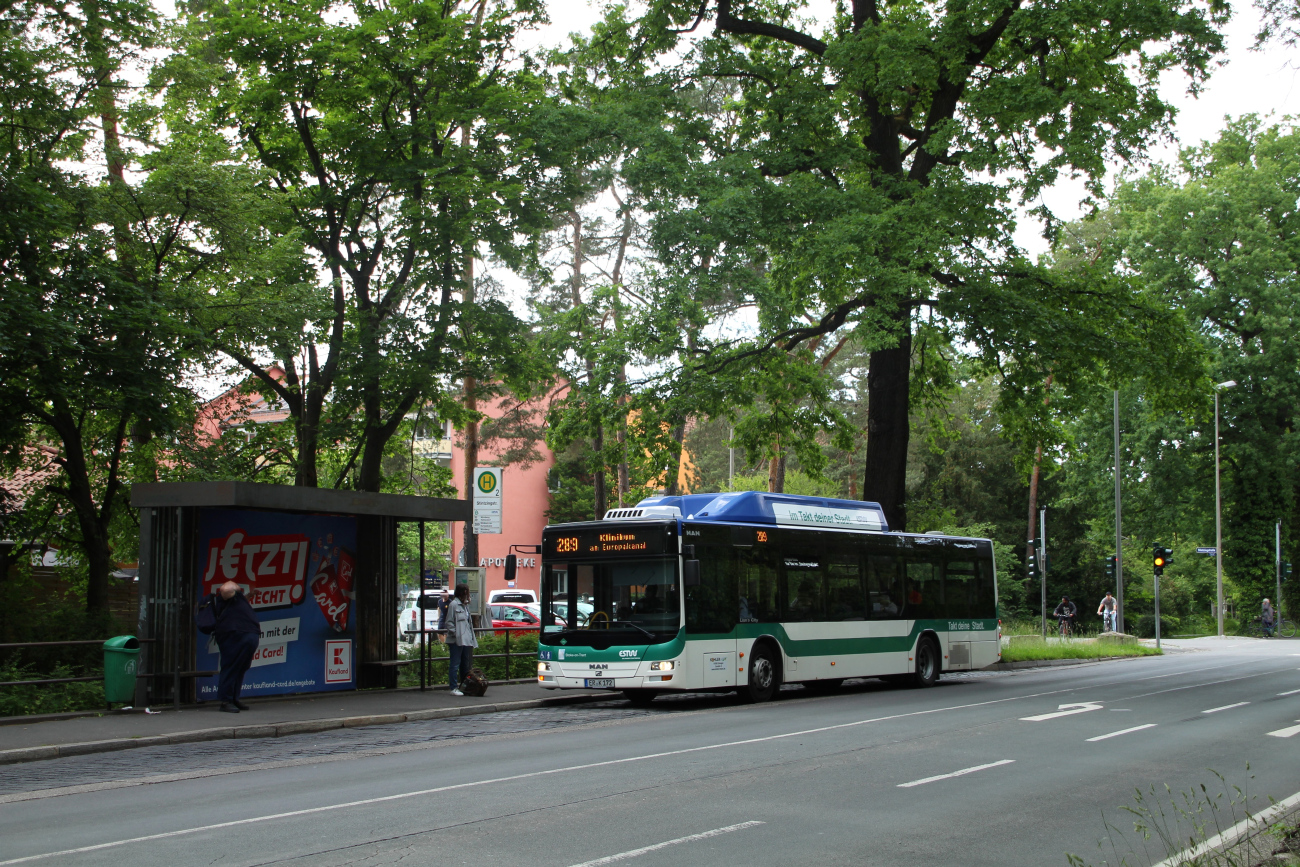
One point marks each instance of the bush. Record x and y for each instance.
(50, 698)
(495, 669)
(1145, 626)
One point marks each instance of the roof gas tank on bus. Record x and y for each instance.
(759, 507)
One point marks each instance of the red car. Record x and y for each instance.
(513, 616)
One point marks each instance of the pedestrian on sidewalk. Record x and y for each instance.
(238, 633)
(460, 639)
(1266, 616)
(1107, 611)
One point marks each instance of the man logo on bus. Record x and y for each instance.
(487, 482)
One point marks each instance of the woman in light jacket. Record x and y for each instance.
(460, 638)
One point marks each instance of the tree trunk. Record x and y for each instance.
(884, 478)
(776, 469)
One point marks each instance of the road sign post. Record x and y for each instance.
(487, 500)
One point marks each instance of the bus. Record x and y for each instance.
(748, 590)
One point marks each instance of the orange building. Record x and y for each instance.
(525, 497)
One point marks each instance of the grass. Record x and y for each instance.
(1023, 651)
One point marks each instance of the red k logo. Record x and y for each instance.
(338, 656)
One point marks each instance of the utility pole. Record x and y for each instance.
(1277, 562)
(1119, 536)
(1042, 562)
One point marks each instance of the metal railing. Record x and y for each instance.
(52, 680)
(426, 660)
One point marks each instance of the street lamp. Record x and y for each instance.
(1218, 507)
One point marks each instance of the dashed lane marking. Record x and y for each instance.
(1122, 732)
(1286, 733)
(1289, 692)
(963, 772)
(633, 853)
(1226, 707)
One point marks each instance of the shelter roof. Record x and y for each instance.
(287, 498)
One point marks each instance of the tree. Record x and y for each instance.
(395, 141)
(869, 172)
(1219, 236)
(91, 347)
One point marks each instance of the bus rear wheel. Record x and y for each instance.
(764, 679)
(927, 663)
(640, 697)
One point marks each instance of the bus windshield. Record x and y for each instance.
(604, 601)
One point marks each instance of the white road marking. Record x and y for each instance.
(1260, 820)
(403, 795)
(1286, 733)
(1122, 732)
(1065, 710)
(963, 772)
(1226, 707)
(632, 853)
(1290, 692)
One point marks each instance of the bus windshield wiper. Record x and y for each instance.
(644, 632)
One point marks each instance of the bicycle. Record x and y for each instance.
(1065, 625)
(1285, 628)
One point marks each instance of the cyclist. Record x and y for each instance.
(1064, 613)
(1107, 611)
(1266, 616)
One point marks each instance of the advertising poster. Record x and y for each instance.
(297, 572)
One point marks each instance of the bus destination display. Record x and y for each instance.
(608, 542)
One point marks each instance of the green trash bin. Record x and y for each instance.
(121, 659)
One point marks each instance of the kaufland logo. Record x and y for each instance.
(338, 661)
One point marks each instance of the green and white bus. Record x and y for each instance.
(746, 591)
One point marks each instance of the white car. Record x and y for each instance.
(408, 619)
(512, 597)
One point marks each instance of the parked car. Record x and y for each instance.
(408, 619)
(514, 617)
(515, 596)
(561, 610)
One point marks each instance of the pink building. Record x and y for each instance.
(524, 501)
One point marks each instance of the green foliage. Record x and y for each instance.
(520, 668)
(53, 698)
(1023, 651)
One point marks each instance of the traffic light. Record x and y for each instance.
(1160, 558)
(1031, 562)
(1286, 570)
(1110, 568)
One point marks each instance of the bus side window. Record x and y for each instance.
(984, 603)
(959, 586)
(756, 581)
(884, 588)
(924, 591)
(844, 597)
(711, 604)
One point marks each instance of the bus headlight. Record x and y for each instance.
(543, 666)
(662, 666)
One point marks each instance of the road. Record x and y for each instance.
(986, 768)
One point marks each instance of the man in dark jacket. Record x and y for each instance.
(238, 633)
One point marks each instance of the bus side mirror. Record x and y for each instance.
(691, 572)
(512, 563)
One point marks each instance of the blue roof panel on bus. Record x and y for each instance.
(760, 507)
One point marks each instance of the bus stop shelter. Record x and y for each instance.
(318, 565)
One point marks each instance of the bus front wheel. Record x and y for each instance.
(764, 680)
(927, 663)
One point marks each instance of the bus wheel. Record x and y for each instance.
(763, 678)
(640, 697)
(927, 663)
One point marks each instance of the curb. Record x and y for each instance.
(276, 730)
(1052, 663)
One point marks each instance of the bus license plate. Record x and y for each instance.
(599, 683)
